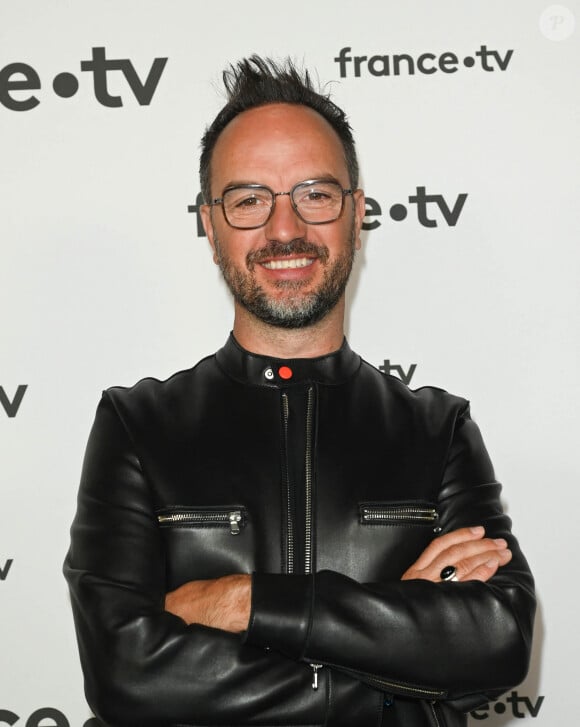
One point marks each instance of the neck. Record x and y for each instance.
(319, 339)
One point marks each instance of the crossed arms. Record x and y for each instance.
(225, 603)
(155, 658)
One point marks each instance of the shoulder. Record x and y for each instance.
(153, 394)
(429, 402)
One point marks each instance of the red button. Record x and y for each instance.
(285, 372)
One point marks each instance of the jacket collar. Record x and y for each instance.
(258, 370)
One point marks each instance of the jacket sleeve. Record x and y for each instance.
(463, 642)
(143, 665)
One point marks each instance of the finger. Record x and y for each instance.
(483, 572)
(455, 546)
(483, 566)
(468, 556)
(444, 542)
(462, 552)
(464, 558)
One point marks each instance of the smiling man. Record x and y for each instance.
(285, 256)
(282, 535)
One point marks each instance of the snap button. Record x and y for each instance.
(269, 373)
(285, 372)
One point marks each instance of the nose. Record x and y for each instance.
(284, 224)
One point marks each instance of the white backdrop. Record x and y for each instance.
(104, 278)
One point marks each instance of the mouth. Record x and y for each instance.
(288, 263)
(290, 256)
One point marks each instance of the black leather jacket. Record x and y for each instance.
(326, 485)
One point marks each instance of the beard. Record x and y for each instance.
(295, 308)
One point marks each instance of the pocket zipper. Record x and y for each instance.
(218, 518)
(391, 688)
(397, 514)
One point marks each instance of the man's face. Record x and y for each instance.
(287, 273)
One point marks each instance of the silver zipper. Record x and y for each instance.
(315, 669)
(434, 713)
(289, 523)
(398, 514)
(395, 687)
(308, 486)
(308, 501)
(308, 509)
(233, 518)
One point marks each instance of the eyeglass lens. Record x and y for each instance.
(315, 202)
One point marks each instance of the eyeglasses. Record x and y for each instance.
(315, 201)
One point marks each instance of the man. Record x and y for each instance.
(282, 535)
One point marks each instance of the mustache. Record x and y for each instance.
(298, 246)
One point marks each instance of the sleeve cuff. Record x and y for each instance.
(281, 612)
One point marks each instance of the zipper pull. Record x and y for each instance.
(235, 518)
(315, 668)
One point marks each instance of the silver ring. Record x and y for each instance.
(449, 573)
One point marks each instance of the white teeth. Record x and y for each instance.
(301, 262)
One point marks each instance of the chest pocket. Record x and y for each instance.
(398, 514)
(394, 534)
(205, 542)
(377, 540)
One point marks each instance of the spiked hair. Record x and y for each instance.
(257, 81)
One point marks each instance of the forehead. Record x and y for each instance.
(275, 144)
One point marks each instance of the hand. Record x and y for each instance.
(475, 558)
(222, 603)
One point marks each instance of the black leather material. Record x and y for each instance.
(222, 438)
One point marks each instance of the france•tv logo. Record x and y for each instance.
(519, 706)
(19, 80)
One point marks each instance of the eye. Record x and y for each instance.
(244, 199)
(322, 194)
(252, 201)
(316, 195)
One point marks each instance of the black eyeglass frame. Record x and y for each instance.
(219, 201)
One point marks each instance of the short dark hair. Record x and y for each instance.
(257, 81)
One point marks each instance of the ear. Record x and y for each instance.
(205, 212)
(358, 197)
